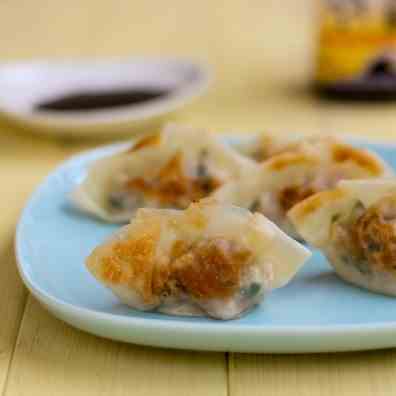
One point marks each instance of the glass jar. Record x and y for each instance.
(356, 54)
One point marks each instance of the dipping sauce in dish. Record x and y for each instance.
(100, 99)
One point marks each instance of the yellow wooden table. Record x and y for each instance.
(261, 51)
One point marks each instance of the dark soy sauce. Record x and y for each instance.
(101, 100)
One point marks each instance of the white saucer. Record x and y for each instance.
(26, 84)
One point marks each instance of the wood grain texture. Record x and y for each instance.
(261, 53)
(343, 374)
(21, 168)
(51, 358)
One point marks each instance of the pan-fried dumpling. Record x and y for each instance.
(168, 170)
(355, 227)
(210, 259)
(290, 177)
(264, 146)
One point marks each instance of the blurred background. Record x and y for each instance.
(261, 51)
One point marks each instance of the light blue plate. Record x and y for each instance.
(316, 312)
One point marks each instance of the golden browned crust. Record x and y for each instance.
(172, 186)
(179, 248)
(313, 203)
(132, 262)
(150, 140)
(212, 269)
(290, 196)
(343, 153)
(284, 160)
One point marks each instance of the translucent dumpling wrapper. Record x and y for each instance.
(168, 170)
(355, 227)
(210, 259)
(289, 177)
